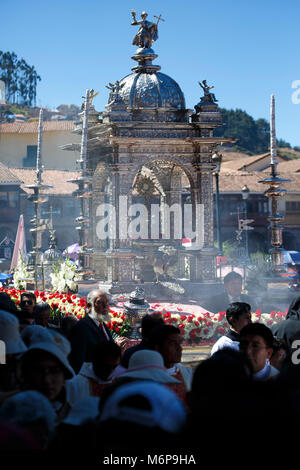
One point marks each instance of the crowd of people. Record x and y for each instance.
(60, 386)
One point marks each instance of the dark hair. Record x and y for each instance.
(160, 333)
(232, 276)
(67, 324)
(30, 295)
(7, 304)
(279, 343)
(235, 310)
(104, 349)
(227, 367)
(40, 307)
(149, 322)
(259, 329)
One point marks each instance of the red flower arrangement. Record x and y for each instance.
(203, 327)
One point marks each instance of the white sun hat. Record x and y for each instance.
(164, 409)
(28, 407)
(9, 333)
(148, 365)
(54, 343)
(87, 408)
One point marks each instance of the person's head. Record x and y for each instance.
(279, 353)
(33, 412)
(257, 342)
(238, 315)
(149, 322)
(98, 305)
(42, 313)
(144, 15)
(45, 366)
(67, 324)
(233, 283)
(147, 364)
(12, 342)
(166, 340)
(106, 357)
(294, 309)
(144, 404)
(28, 302)
(227, 370)
(7, 304)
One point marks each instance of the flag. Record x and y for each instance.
(20, 245)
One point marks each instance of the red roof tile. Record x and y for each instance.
(7, 176)
(32, 127)
(56, 178)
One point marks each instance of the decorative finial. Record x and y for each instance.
(273, 143)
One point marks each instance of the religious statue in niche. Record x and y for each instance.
(208, 96)
(148, 32)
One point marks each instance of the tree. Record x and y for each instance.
(71, 111)
(253, 136)
(20, 79)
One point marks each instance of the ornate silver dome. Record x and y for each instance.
(151, 90)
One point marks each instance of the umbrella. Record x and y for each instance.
(72, 251)
(4, 277)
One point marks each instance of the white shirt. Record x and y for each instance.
(79, 388)
(186, 372)
(266, 373)
(225, 342)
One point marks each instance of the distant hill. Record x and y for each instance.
(253, 135)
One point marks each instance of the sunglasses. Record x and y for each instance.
(24, 302)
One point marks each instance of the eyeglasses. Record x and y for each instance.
(24, 302)
(255, 347)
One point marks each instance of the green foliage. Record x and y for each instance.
(228, 247)
(253, 135)
(283, 143)
(15, 109)
(20, 79)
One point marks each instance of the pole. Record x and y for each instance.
(219, 236)
(246, 231)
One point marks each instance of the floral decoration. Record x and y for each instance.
(63, 277)
(201, 328)
(20, 273)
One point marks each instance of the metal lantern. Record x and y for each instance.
(135, 309)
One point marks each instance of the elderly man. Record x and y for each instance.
(90, 330)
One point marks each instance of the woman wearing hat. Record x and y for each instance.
(45, 368)
(11, 346)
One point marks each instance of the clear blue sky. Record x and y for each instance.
(247, 49)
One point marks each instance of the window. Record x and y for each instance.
(292, 206)
(30, 160)
(9, 199)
